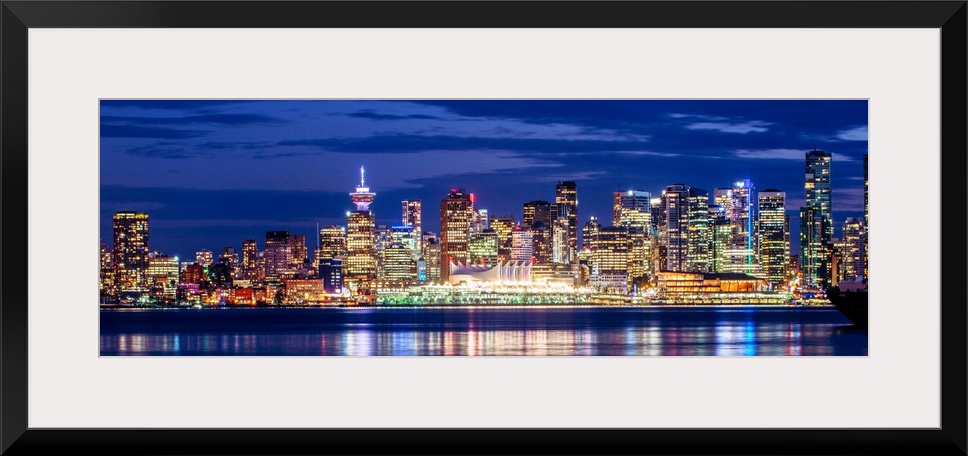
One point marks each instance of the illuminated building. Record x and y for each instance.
(566, 198)
(204, 257)
(531, 208)
(332, 243)
(230, 257)
(852, 250)
(106, 272)
(816, 223)
(546, 214)
(561, 249)
(163, 273)
(331, 272)
(674, 227)
(456, 214)
(480, 222)
(398, 264)
(502, 226)
(194, 273)
(298, 250)
(589, 232)
(639, 256)
(690, 284)
(720, 236)
(522, 244)
(609, 263)
(774, 238)
(739, 254)
(540, 242)
(482, 248)
(867, 221)
(632, 209)
(413, 216)
(698, 258)
(278, 255)
(130, 252)
(510, 272)
(250, 254)
(432, 258)
(360, 264)
(409, 237)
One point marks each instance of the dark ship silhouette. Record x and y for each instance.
(850, 298)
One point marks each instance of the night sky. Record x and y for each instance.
(213, 173)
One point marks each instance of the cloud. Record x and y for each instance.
(200, 119)
(404, 143)
(853, 134)
(130, 131)
(370, 114)
(753, 126)
(783, 154)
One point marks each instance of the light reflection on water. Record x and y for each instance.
(474, 332)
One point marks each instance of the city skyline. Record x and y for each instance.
(214, 173)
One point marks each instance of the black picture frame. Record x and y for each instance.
(18, 16)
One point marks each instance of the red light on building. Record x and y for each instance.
(472, 198)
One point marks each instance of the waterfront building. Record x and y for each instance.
(330, 270)
(204, 257)
(432, 258)
(709, 285)
(566, 200)
(106, 282)
(816, 223)
(483, 248)
(194, 273)
(163, 275)
(522, 244)
(610, 260)
(852, 250)
(720, 237)
(413, 216)
(503, 225)
(639, 256)
(278, 255)
(456, 215)
(774, 236)
(130, 252)
(517, 272)
(360, 264)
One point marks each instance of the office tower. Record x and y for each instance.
(250, 254)
(852, 249)
(531, 208)
(561, 250)
(230, 257)
(130, 252)
(774, 248)
(502, 226)
(194, 273)
(432, 258)
(456, 214)
(360, 264)
(589, 232)
(720, 237)
(816, 220)
(632, 209)
(330, 270)
(408, 236)
(483, 248)
(566, 198)
(739, 254)
(298, 250)
(674, 228)
(278, 255)
(204, 258)
(610, 257)
(331, 244)
(639, 255)
(413, 216)
(480, 222)
(540, 241)
(699, 256)
(397, 263)
(522, 244)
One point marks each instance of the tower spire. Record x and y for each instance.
(361, 177)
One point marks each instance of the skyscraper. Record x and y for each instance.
(738, 201)
(413, 216)
(456, 215)
(332, 243)
(816, 223)
(698, 257)
(774, 248)
(502, 226)
(130, 252)
(250, 255)
(566, 198)
(852, 249)
(278, 254)
(360, 264)
(482, 248)
(674, 229)
(632, 208)
(531, 208)
(522, 244)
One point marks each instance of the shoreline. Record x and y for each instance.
(482, 306)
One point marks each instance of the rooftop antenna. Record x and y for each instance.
(361, 177)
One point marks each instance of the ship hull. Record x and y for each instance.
(852, 304)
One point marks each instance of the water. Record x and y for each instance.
(541, 331)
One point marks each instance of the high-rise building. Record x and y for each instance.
(398, 264)
(413, 216)
(480, 222)
(332, 243)
(330, 270)
(502, 226)
(566, 198)
(278, 255)
(250, 255)
(456, 215)
(816, 220)
(204, 258)
(107, 272)
(721, 236)
(229, 257)
(589, 232)
(298, 249)
(674, 227)
(540, 241)
(632, 208)
(774, 237)
(531, 208)
(610, 260)
(163, 274)
(408, 236)
(130, 252)
(360, 265)
(432, 258)
(739, 254)
(852, 249)
(561, 249)
(699, 256)
(483, 248)
(522, 244)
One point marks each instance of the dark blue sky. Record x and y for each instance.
(213, 173)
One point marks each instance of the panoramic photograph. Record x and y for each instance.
(483, 227)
